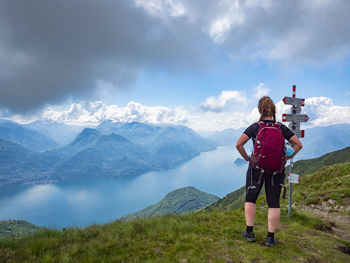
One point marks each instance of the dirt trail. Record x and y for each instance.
(338, 225)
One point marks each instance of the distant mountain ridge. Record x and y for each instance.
(20, 165)
(59, 132)
(180, 201)
(309, 166)
(325, 139)
(96, 154)
(168, 145)
(33, 140)
(86, 138)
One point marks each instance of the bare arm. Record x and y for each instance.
(239, 145)
(296, 144)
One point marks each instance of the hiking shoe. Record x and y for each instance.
(270, 242)
(249, 236)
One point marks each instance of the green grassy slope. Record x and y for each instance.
(180, 201)
(17, 228)
(329, 183)
(231, 201)
(309, 166)
(196, 237)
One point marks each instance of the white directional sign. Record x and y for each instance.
(299, 133)
(294, 101)
(293, 178)
(295, 117)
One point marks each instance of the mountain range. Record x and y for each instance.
(61, 133)
(93, 154)
(168, 145)
(43, 135)
(99, 153)
(33, 140)
(115, 149)
(20, 165)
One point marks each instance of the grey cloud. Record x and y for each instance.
(297, 31)
(301, 31)
(51, 49)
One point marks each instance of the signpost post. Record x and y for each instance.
(294, 119)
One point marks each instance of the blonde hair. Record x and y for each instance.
(266, 108)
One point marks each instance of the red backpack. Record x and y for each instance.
(268, 154)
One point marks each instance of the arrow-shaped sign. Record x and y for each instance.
(299, 133)
(294, 101)
(295, 117)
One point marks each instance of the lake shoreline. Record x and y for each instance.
(99, 201)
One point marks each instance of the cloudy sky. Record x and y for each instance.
(200, 63)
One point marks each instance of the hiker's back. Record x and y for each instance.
(269, 148)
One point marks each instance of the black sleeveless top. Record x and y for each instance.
(252, 130)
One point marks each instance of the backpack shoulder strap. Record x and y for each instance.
(261, 123)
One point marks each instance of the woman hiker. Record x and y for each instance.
(266, 165)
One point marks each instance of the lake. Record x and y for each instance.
(101, 201)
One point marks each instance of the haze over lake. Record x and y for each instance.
(88, 202)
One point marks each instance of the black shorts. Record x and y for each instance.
(273, 186)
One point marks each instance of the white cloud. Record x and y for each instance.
(92, 113)
(261, 90)
(211, 121)
(233, 15)
(243, 119)
(218, 121)
(220, 102)
(321, 111)
(223, 24)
